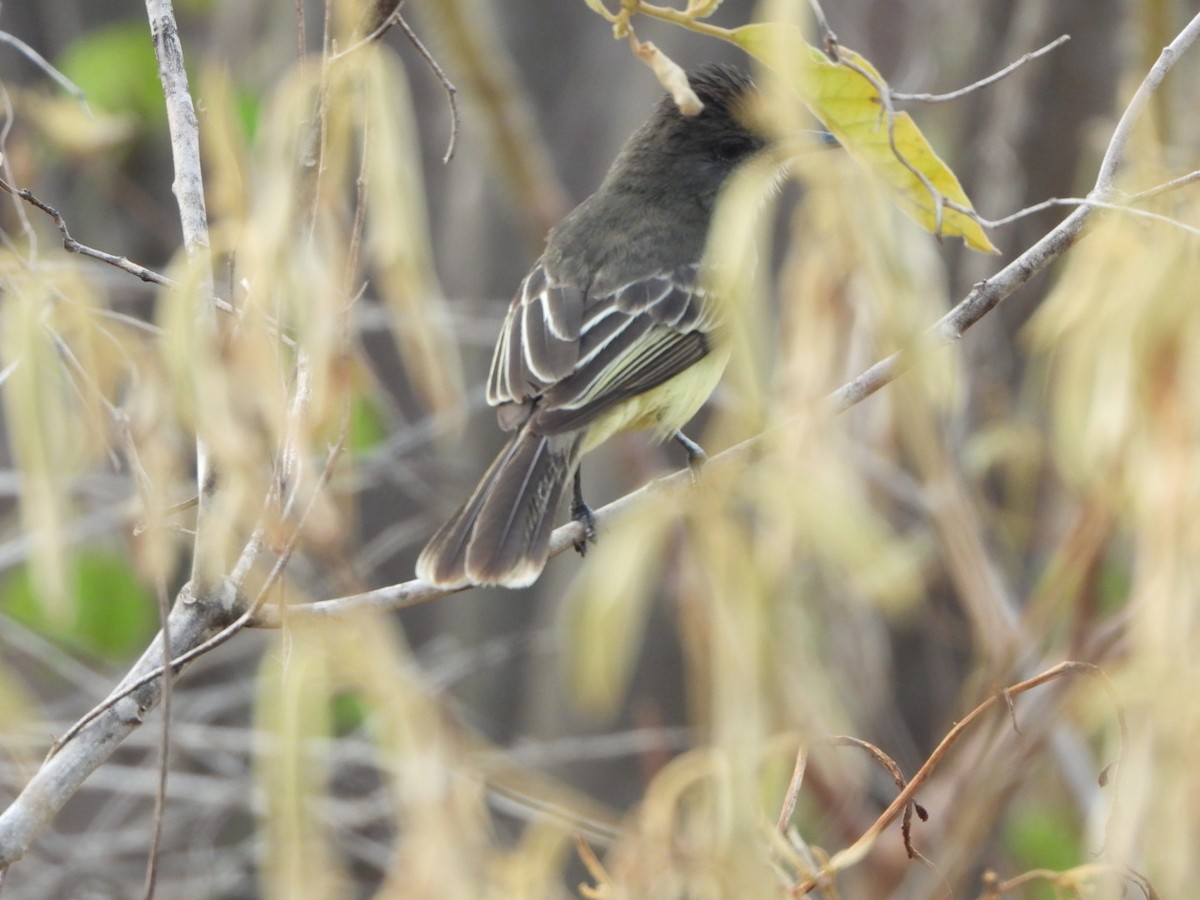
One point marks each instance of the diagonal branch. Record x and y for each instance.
(61, 776)
(192, 623)
(73, 246)
(44, 64)
(982, 299)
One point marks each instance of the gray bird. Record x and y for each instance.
(611, 330)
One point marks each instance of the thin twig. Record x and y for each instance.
(164, 747)
(856, 851)
(42, 63)
(389, 21)
(447, 86)
(73, 246)
(983, 82)
(1068, 881)
(145, 487)
(792, 794)
(983, 298)
(1174, 183)
(1097, 204)
(893, 769)
(940, 200)
(829, 40)
(6, 171)
(395, 20)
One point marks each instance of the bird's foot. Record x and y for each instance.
(696, 457)
(582, 513)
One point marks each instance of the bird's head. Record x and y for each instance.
(693, 155)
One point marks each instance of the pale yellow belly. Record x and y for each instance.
(666, 408)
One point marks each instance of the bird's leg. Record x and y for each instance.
(696, 456)
(582, 513)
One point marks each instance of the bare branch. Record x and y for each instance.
(389, 21)
(184, 128)
(829, 40)
(73, 246)
(983, 298)
(60, 776)
(189, 194)
(855, 852)
(447, 86)
(42, 63)
(395, 20)
(1097, 204)
(164, 751)
(1173, 184)
(983, 82)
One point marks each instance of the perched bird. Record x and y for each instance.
(611, 330)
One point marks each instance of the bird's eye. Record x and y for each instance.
(733, 148)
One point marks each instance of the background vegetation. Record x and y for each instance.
(1022, 498)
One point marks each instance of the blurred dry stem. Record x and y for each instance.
(669, 74)
(794, 573)
(855, 852)
(1079, 881)
(288, 339)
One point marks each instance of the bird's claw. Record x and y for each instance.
(696, 457)
(582, 514)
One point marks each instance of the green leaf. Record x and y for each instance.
(349, 711)
(366, 427)
(247, 106)
(111, 614)
(1043, 837)
(117, 70)
(851, 108)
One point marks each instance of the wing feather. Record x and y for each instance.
(574, 355)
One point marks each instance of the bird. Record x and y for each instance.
(612, 329)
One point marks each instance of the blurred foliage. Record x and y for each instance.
(366, 428)
(1043, 836)
(108, 612)
(116, 69)
(877, 574)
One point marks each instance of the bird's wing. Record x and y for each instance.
(578, 355)
(539, 341)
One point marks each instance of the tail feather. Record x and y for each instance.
(501, 535)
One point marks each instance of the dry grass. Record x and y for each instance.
(887, 575)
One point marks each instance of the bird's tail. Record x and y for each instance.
(501, 535)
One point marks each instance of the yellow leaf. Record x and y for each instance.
(849, 105)
(598, 7)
